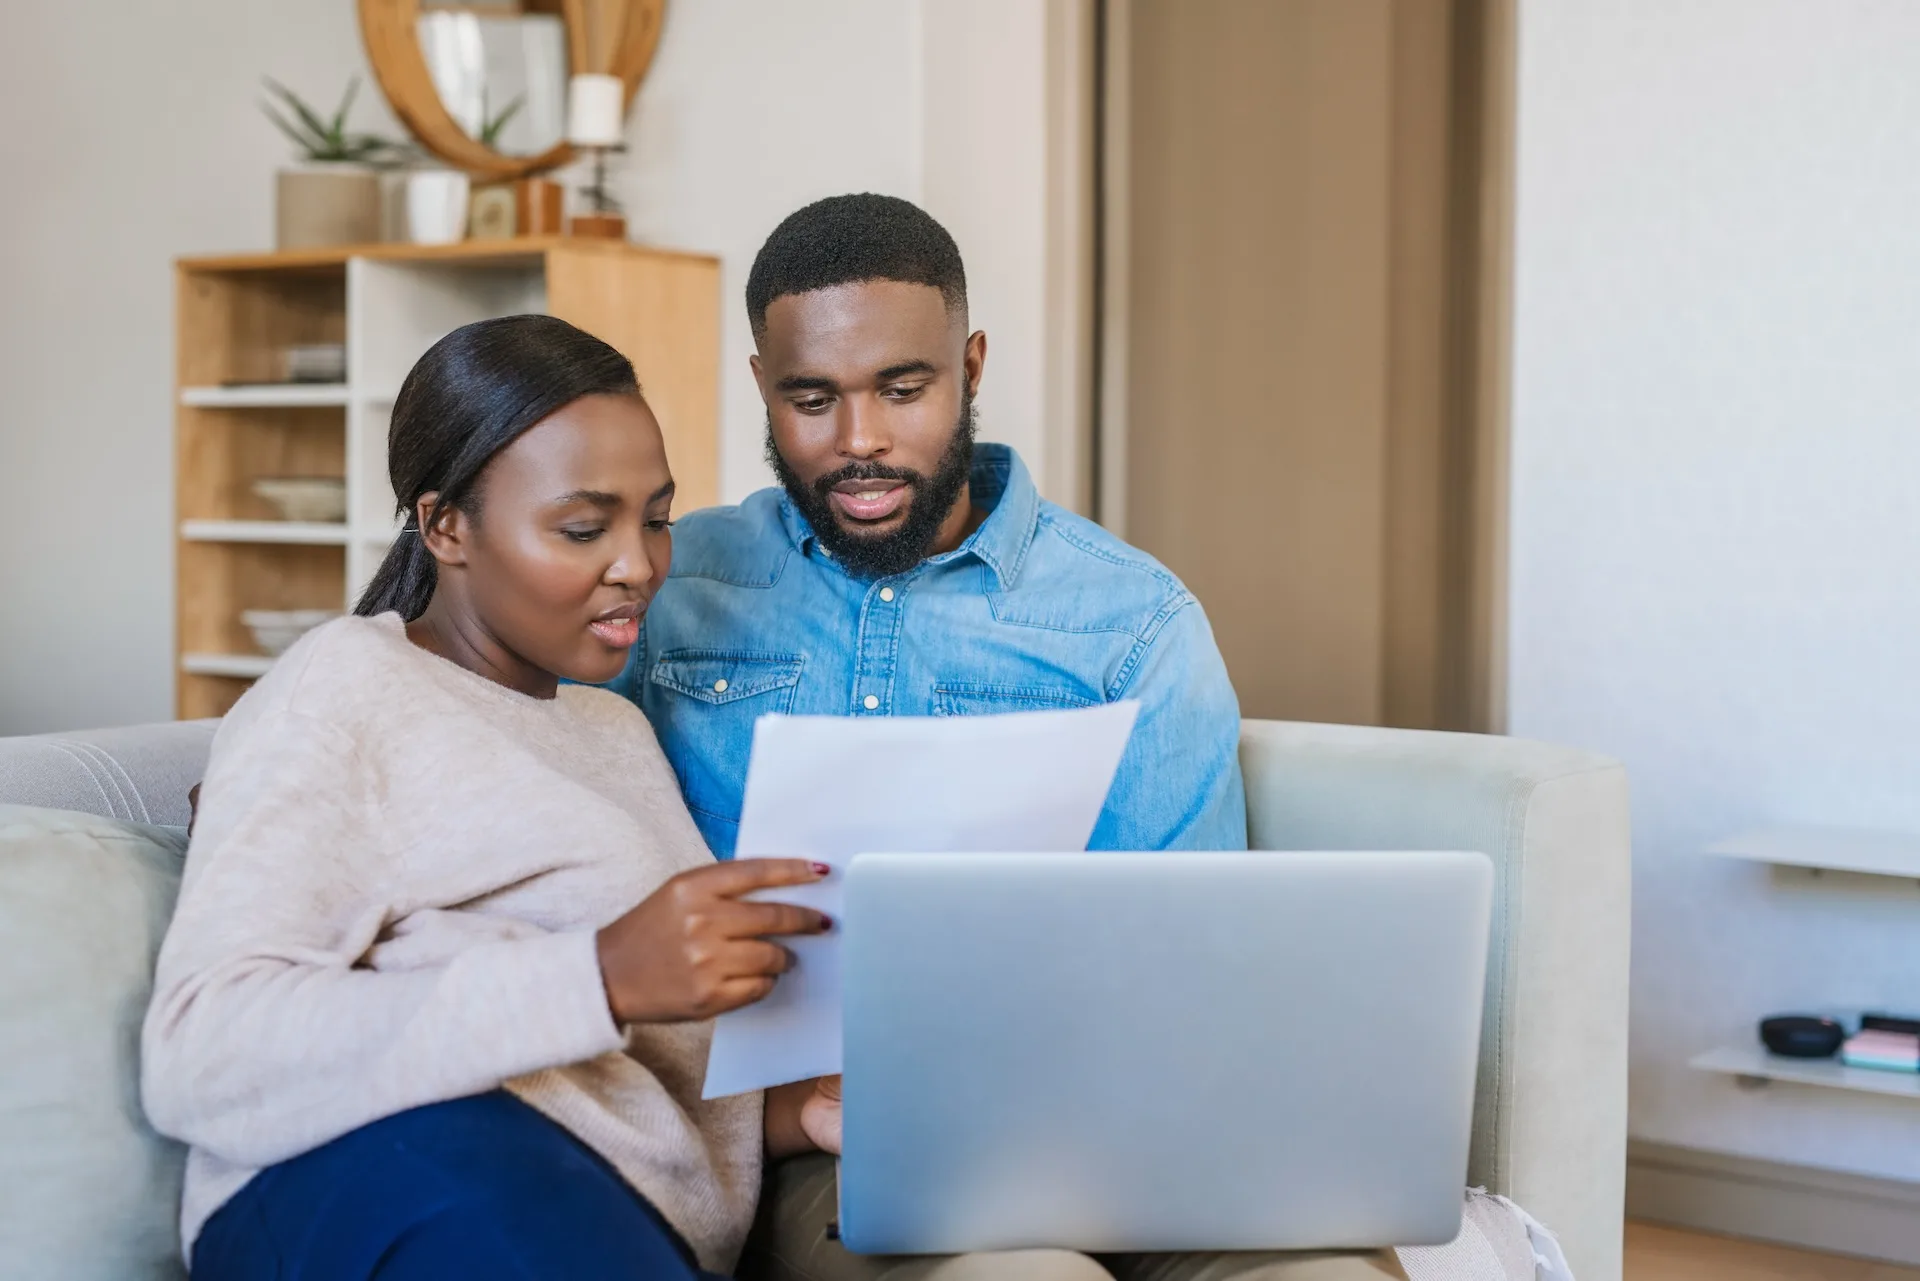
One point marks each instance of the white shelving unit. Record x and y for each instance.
(264, 531)
(266, 396)
(1754, 1064)
(236, 316)
(244, 666)
(1836, 849)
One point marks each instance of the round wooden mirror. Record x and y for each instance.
(483, 86)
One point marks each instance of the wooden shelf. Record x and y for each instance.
(1836, 849)
(245, 666)
(263, 531)
(266, 396)
(521, 249)
(388, 303)
(1754, 1063)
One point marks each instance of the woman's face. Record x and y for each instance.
(568, 542)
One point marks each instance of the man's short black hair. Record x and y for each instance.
(844, 240)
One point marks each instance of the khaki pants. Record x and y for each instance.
(790, 1243)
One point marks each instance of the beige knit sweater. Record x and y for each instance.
(390, 900)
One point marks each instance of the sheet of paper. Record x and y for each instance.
(830, 787)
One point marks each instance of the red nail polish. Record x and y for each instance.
(826, 922)
(821, 869)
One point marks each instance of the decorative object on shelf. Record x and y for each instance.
(1802, 1036)
(275, 630)
(1882, 1050)
(494, 212)
(596, 123)
(333, 196)
(316, 499)
(315, 362)
(436, 206)
(439, 64)
(539, 207)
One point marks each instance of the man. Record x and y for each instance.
(902, 570)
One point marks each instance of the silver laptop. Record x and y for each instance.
(1156, 1052)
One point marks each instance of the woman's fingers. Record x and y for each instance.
(756, 958)
(755, 920)
(745, 875)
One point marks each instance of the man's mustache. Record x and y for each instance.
(866, 471)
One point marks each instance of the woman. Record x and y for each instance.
(433, 1002)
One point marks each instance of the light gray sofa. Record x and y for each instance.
(1550, 1118)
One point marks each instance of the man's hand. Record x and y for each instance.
(820, 1115)
(803, 1117)
(693, 949)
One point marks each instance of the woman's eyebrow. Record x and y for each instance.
(665, 491)
(598, 497)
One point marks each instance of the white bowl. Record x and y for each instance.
(274, 630)
(321, 499)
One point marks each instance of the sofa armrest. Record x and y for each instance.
(1550, 1112)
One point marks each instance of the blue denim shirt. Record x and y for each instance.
(1037, 609)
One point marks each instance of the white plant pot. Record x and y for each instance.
(318, 205)
(436, 206)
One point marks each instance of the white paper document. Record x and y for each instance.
(829, 787)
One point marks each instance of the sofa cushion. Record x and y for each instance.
(91, 1190)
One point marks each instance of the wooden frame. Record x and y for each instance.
(390, 30)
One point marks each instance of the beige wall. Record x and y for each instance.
(131, 137)
(144, 143)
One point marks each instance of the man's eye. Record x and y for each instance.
(582, 535)
(902, 393)
(817, 405)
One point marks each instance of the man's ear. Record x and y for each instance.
(975, 360)
(445, 535)
(759, 378)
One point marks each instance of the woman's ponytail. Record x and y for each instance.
(475, 392)
(404, 582)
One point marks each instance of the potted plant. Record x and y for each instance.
(332, 197)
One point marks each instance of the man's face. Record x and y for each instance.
(869, 391)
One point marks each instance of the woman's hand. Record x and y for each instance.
(693, 949)
(803, 1117)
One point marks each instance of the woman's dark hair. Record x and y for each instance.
(473, 394)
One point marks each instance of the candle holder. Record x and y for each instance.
(595, 115)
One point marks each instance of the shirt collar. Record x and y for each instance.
(1001, 484)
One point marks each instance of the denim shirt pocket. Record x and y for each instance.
(710, 700)
(722, 678)
(974, 698)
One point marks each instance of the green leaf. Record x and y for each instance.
(490, 129)
(346, 104)
(303, 141)
(306, 113)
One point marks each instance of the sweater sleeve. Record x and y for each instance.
(267, 1037)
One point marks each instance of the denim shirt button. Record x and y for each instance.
(870, 702)
(720, 686)
(886, 594)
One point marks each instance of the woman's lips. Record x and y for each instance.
(620, 633)
(869, 500)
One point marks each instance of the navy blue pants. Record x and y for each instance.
(484, 1189)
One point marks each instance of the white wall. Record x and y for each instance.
(133, 137)
(1716, 458)
(145, 144)
(756, 107)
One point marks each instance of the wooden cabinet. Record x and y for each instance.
(238, 421)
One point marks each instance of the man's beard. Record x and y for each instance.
(900, 549)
